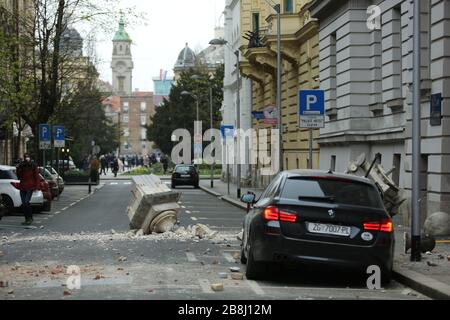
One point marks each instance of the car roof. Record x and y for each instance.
(7, 168)
(321, 173)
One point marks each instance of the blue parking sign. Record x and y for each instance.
(312, 109)
(59, 136)
(227, 131)
(45, 138)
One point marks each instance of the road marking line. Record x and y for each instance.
(205, 285)
(194, 218)
(255, 287)
(113, 184)
(228, 257)
(188, 212)
(191, 257)
(57, 212)
(64, 209)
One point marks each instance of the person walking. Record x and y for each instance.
(165, 163)
(115, 167)
(104, 165)
(94, 169)
(28, 174)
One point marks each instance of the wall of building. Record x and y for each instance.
(367, 76)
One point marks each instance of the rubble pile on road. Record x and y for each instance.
(196, 233)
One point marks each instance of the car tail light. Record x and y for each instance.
(271, 214)
(387, 226)
(16, 185)
(288, 217)
(274, 214)
(383, 226)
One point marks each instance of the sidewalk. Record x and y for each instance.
(431, 276)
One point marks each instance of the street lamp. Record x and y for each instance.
(223, 42)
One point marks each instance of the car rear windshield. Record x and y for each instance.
(184, 169)
(8, 175)
(346, 192)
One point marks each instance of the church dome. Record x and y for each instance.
(121, 34)
(71, 42)
(186, 58)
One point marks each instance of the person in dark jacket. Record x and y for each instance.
(28, 174)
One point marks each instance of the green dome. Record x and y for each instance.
(121, 34)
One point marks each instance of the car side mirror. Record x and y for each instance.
(248, 198)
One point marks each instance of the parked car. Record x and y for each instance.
(65, 165)
(321, 219)
(48, 196)
(52, 181)
(185, 175)
(10, 193)
(58, 178)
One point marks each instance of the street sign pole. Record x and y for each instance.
(310, 161)
(416, 139)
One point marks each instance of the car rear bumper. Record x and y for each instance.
(184, 181)
(278, 248)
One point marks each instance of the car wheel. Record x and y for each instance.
(8, 203)
(255, 270)
(386, 277)
(243, 257)
(47, 207)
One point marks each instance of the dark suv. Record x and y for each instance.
(321, 219)
(185, 175)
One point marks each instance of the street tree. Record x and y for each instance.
(179, 112)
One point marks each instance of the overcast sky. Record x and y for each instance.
(170, 24)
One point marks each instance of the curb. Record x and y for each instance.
(225, 198)
(423, 284)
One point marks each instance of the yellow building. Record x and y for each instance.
(300, 70)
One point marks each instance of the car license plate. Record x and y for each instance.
(185, 176)
(329, 229)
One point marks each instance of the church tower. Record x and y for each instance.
(122, 62)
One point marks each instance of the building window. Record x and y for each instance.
(255, 22)
(143, 120)
(121, 83)
(333, 164)
(126, 132)
(144, 134)
(144, 106)
(126, 107)
(126, 118)
(397, 165)
(288, 6)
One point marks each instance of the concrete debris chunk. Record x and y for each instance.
(113, 231)
(431, 264)
(4, 284)
(448, 258)
(122, 259)
(235, 269)
(236, 256)
(237, 276)
(217, 287)
(223, 275)
(428, 253)
(67, 293)
(11, 292)
(1, 254)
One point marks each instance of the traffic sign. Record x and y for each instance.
(45, 137)
(227, 131)
(59, 139)
(312, 109)
(270, 115)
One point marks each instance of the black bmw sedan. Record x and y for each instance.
(318, 218)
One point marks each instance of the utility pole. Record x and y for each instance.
(238, 126)
(416, 139)
(211, 118)
(277, 8)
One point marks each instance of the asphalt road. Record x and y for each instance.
(92, 233)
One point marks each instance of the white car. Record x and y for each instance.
(10, 195)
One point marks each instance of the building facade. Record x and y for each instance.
(122, 62)
(136, 111)
(229, 107)
(300, 70)
(366, 70)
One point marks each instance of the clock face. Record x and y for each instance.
(121, 67)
